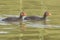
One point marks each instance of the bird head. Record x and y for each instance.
(47, 13)
(23, 13)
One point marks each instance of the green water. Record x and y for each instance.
(31, 7)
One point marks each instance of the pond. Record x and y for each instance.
(17, 28)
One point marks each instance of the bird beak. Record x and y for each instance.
(49, 14)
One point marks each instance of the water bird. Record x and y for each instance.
(38, 18)
(14, 19)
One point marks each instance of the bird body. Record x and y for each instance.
(37, 18)
(15, 19)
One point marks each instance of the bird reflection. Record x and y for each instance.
(44, 22)
(22, 26)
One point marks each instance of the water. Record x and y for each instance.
(3, 32)
(41, 25)
(3, 22)
(8, 28)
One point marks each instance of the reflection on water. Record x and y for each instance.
(3, 22)
(22, 26)
(3, 32)
(7, 28)
(10, 15)
(39, 25)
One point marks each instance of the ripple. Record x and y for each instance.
(3, 32)
(3, 22)
(10, 15)
(37, 25)
(45, 26)
(7, 28)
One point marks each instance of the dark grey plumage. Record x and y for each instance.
(37, 18)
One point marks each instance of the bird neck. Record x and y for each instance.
(22, 17)
(44, 16)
